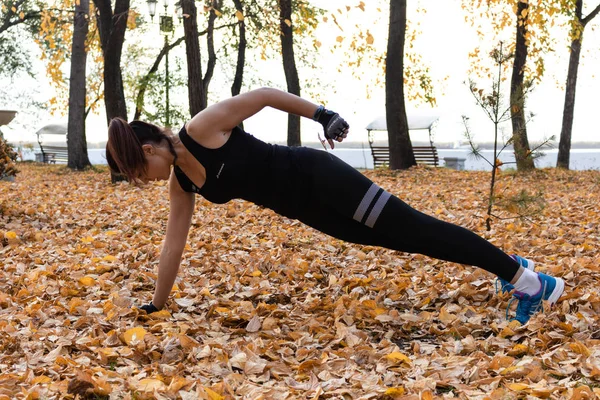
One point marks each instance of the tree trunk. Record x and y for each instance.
(564, 146)
(289, 67)
(192, 51)
(517, 93)
(401, 152)
(236, 86)
(112, 27)
(76, 140)
(212, 57)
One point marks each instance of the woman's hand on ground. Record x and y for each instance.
(149, 308)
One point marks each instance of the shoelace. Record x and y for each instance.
(503, 286)
(526, 301)
(508, 306)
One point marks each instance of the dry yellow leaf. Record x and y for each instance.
(395, 391)
(427, 395)
(397, 358)
(150, 385)
(580, 348)
(87, 239)
(518, 350)
(87, 281)
(517, 387)
(161, 314)
(134, 335)
(41, 379)
(212, 395)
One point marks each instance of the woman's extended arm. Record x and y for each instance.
(180, 218)
(227, 114)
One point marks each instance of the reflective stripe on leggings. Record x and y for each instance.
(371, 205)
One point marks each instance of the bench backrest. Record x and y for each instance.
(426, 155)
(56, 153)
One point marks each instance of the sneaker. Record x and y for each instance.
(551, 290)
(506, 286)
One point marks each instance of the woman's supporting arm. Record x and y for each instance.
(180, 219)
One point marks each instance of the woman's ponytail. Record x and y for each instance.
(124, 152)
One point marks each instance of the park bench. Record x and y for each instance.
(54, 154)
(426, 155)
(52, 151)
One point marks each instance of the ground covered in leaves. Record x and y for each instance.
(266, 307)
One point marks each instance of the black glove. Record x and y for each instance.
(149, 308)
(333, 125)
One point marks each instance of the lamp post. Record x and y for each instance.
(166, 28)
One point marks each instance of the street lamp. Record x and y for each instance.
(166, 28)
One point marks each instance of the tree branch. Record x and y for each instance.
(591, 15)
(9, 24)
(146, 79)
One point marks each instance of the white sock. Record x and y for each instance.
(528, 282)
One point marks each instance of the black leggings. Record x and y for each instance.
(347, 205)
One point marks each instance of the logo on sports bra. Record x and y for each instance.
(220, 169)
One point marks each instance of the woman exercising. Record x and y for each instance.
(213, 157)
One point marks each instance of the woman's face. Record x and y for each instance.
(159, 163)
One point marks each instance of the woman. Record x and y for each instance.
(213, 157)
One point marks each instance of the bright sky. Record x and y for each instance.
(444, 50)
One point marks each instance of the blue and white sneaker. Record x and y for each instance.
(551, 290)
(506, 286)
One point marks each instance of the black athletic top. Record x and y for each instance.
(247, 168)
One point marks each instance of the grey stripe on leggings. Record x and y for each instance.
(366, 202)
(377, 208)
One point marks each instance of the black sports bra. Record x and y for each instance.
(277, 177)
(230, 169)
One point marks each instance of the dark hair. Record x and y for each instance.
(124, 152)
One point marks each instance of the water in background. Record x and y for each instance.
(581, 159)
